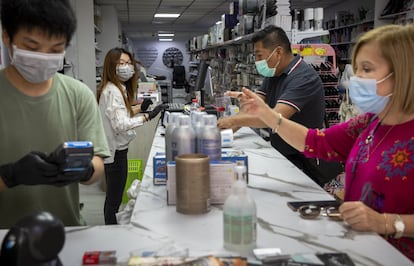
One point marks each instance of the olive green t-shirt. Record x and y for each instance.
(68, 112)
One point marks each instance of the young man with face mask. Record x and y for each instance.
(291, 87)
(41, 110)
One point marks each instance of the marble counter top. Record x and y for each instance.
(273, 181)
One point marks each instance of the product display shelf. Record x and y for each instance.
(343, 37)
(193, 73)
(322, 58)
(396, 15)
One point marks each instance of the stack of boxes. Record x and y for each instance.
(221, 175)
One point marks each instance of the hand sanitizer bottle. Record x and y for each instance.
(239, 216)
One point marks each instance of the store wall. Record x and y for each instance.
(151, 53)
(81, 51)
(110, 36)
(350, 6)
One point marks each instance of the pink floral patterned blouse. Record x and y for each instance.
(379, 164)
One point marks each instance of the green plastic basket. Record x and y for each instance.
(134, 172)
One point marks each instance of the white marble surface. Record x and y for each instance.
(273, 182)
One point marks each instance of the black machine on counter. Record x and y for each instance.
(35, 240)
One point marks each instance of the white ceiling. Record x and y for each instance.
(137, 16)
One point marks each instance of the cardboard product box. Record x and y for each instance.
(221, 180)
(159, 169)
(237, 157)
(147, 87)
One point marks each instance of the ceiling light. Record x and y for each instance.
(165, 34)
(166, 15)
(165, 40)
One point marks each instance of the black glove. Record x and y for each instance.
(32, 169)
(59, 158)
(159, 108)
(145, 104)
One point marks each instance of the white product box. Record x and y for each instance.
(147, 87)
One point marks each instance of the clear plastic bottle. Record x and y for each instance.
(209, 138)
(183, 139)
(239, 217)
(195, 106)
(172, 124)
(197, 121)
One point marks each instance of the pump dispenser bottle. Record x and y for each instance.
(239, 216)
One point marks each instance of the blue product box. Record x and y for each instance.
(159, 169)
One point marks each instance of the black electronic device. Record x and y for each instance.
(77, 155)
(34, 240)
(204, 82)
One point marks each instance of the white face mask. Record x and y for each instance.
(36, 67)
(125, 72)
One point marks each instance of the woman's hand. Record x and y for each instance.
(362, 218)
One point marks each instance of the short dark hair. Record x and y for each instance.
(271, 37)
(55, 17)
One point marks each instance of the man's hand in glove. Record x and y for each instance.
(159, 108)
(31, 169)
(145, 104)
(83, 166)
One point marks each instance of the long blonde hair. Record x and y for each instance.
(396, 43)
(109, 75)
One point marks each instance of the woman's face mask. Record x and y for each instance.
(363, 93)
(263, 69)
(36, 67)
(125, 72)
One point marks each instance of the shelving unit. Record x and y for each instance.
(322, 58)
(343, 37)
(396, 15)
(166, 90)
(232, 61)
(193, 73)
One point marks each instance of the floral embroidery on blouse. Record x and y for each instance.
(399, 160)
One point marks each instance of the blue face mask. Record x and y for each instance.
(363, 93)
(263, 69)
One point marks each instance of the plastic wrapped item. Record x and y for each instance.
(133, 190)
(124, 216)
(164, 249)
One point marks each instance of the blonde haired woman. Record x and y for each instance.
(377, 146)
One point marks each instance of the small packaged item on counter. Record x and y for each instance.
(237, 157)
(160, 169)
(99, 258)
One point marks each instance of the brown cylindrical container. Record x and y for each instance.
(193, 183)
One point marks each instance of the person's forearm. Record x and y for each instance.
(291, 132)
(99, 170)
(246, 120)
